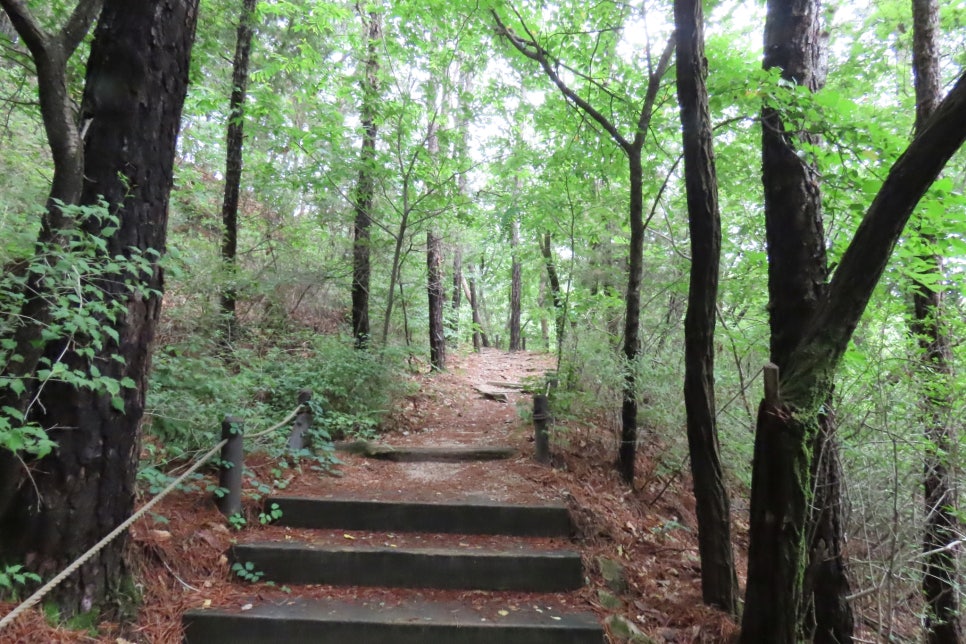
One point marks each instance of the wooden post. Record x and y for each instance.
(232, 466)
(296, 440)
(771, 378)
(541, 415)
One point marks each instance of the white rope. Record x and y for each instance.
(80, 561)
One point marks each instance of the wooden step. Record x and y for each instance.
(339, 622)
(397, 516)
(523, 570)
(417, 454)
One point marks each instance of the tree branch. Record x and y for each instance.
(34, 36)
(78, 25)
(866, 257)
(653, 85)
(534, 51)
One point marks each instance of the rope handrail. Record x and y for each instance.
(80, 561)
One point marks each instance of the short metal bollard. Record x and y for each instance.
(541, 416)
(232, 466)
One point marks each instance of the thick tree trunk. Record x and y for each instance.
(516, 288)
(627, 452)
(233, 167)
(719, 581)
(365, 188)
(797, 273)
(940, 583)
(86, 487)
(437, 297)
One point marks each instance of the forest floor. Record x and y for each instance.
(177, 552)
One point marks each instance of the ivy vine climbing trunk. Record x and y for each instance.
(233, 168)
(719, 581)
(365, 186)
(788, 417)
(940, 582)
(86, 487)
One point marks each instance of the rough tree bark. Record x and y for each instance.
(790, 415)
(797, 274)
(940, 582)
(233, 166)
(136, 81)
(456, 301)
(437, 297)
(516, 288)
(719, 581)
(365, 187)
(530, 48)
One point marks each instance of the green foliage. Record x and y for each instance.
(14, 576)
(72, 275)
(237, 521)
(274, 514)
(247, 571)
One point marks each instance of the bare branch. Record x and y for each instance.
(653, 85)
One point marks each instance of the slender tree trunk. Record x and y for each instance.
(719, 581)
(437, 335)
(783, 591)
(86, 487)
(456, 301)
(233, 167)
(940, 582)
(627, 452)
(477, 322)
(516, 288)
(365, 188)
(546, 249)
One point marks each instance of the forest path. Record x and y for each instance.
(462, 552)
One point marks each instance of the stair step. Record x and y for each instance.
(338, 622)
(417, 454)
(525, 570)
(395, 516)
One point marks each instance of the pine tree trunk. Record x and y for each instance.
(456, 302)
(437, 297)
(233, 168)
(546, 249)
(86, 487)
(365, 188)
(719, 580)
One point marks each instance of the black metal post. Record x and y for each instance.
(232, 466)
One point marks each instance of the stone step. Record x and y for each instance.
(417, 454)
(454, 568)
(338, 622)
(398, 516)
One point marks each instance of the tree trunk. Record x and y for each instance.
(86, 487)
(627, 452)
(437, 335)
(940, 581)
(546, 249)
(365, 188)
(775, 562)
(516, 287)
(477, 323)
(797, 273)
(456, 301)
(719, 581)
(233, 167)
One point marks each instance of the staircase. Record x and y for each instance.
(514, 567)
